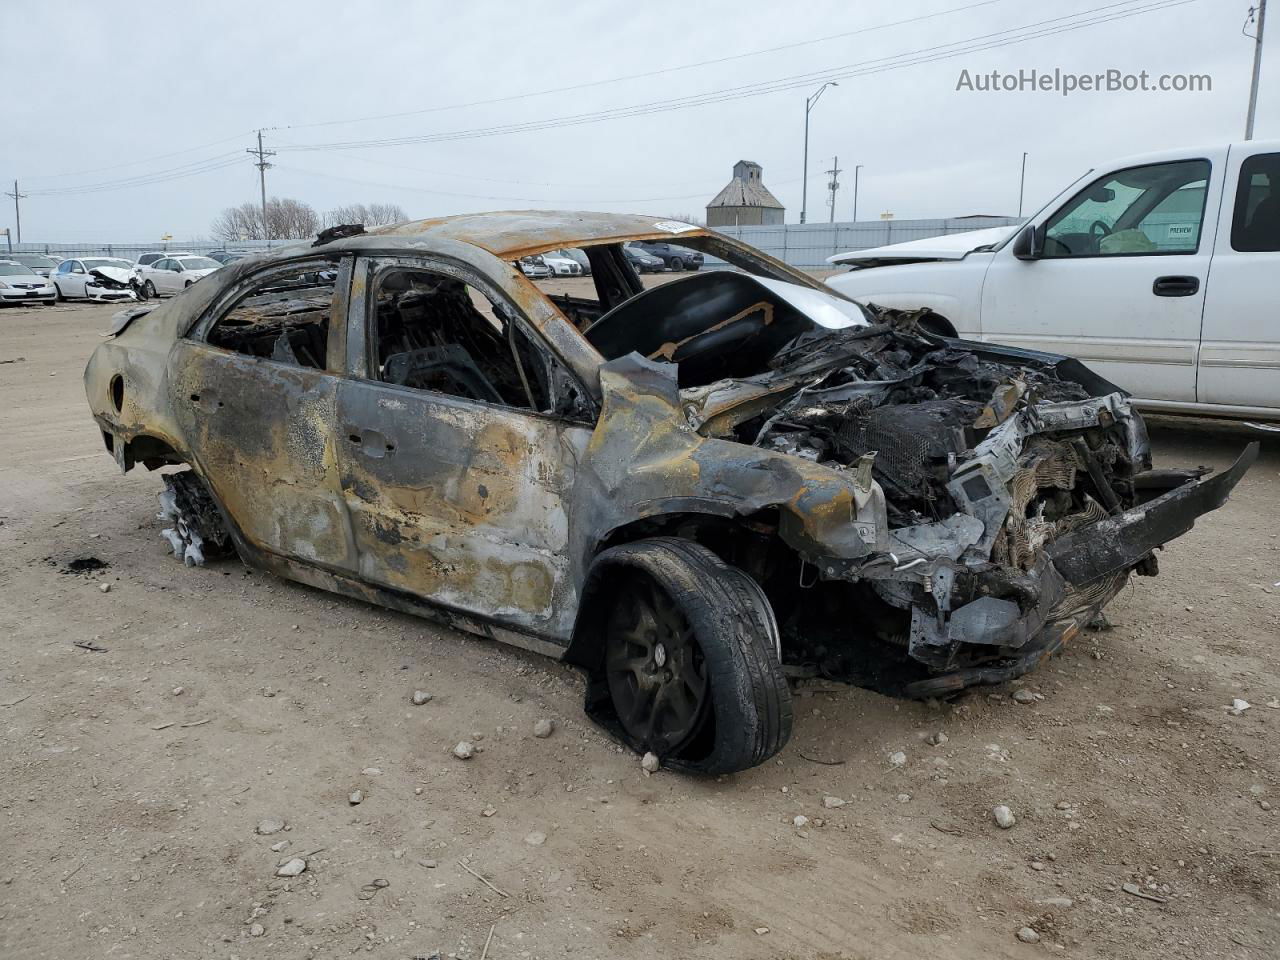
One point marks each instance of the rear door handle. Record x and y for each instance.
(1176, 286)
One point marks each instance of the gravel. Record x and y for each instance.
(292, 868)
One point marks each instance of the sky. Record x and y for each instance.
(136, 125)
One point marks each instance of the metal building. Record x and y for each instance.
(745, 201)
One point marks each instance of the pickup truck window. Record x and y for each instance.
(1155, 209)
(1255, 223)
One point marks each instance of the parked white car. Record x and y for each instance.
(1159, 271)
(174, 274)
(153, 257)
(103, 279)
(562, 266)
(19, 283)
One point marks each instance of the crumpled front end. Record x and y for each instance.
(1019, 498)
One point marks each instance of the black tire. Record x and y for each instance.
(187, 284)
(60, 298)
(730, 637)
(677, 264)
(149, 290)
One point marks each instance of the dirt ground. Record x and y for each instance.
(146, 731)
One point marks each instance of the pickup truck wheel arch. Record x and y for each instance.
(938, 325)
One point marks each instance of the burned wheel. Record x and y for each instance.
(196, 532)
(690, 656)
(656, 671)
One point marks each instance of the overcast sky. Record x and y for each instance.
(95, 98)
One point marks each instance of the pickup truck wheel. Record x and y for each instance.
(691, 660)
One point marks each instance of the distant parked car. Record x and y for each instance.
(103, 279)
(643, 261)
(674, 258)
(19, 283)
(562, 266)
(535, 268)
(578, 257)
(37, 263)
(227, 256)
(174, 274)
(147, 259)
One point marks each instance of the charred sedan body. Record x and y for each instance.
(679, 489)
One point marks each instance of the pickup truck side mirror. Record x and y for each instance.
(1029, 243)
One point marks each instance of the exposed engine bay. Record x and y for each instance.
(994, 467)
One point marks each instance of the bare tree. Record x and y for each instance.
(288, 219)
(291, 219)
(686, 218)
(239, 223)
(371, 215)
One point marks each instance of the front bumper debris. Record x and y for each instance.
(1078, 574)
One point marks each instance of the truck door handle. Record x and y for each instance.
(1176, 286)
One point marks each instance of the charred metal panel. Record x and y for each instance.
(262, 435)
(461, 502)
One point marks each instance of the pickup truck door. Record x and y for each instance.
(1119, 280)
(1240, 345)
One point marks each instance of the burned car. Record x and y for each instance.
(688, 490)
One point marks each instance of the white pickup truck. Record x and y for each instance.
(1162, 272)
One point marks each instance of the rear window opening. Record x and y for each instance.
(285, 318)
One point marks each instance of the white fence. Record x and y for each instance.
(801, 245)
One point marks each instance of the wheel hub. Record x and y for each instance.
(655, 668)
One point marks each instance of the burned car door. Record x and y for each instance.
(256, 396)
(458, 451)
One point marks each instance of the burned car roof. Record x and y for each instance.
(514, 234)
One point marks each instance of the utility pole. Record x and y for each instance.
(856, 168)
(804, 189)
(833, 186)
(1022, 182)
(17, 211)
(262, 166)
(1257, 65)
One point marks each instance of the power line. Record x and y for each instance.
(641, 76)
(206, 165)
(996, 39)
(862, 68)
(133, 163)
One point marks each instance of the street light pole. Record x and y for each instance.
(1257, 69)
(1022, 182)
(809, 103)
(856, 168)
